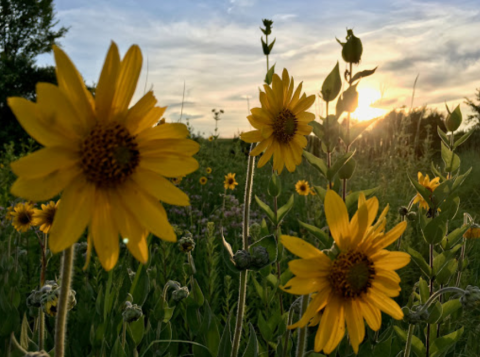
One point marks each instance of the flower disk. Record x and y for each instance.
(357, 284)
(22, 216)
(302, 187)
(111, 163)
(230, 182)
(281, 124)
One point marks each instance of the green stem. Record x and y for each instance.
(408, 346)
(14, 341)
(287, 333)
(41, 329)
(62, 312)
(242, 291)
(427, 339)
(124, 335)
(302, 336)
(277, 265)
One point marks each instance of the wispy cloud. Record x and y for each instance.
(214, 46)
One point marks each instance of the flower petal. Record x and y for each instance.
(164, 131)
(391, 236)
(337, 218)
(165, 146)
(371, 314)
(384, 303)
(311, 268)
(316, 304)
(301, 248)
(304, 286)
(107, 83)
(170, 165)
(333, 325)
(390, 260)
(73, 214)
(355, 324)
(253, 136)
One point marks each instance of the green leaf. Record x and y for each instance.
(265, 208)
(437, 172)
(342, 160)
(270, 46)
(225, 347)
(269, 75)
(252, 346)
(460, 179)
(282, 211)
(117, 349)
(358, 129)
(443, 136)
(451, 160)
(264, 328)
(332, 85)
(435, 230)
(444, 343)
(259, 288)
(348, 102)
(174, 341)
(321, 192)
(136, 330)
(195, 298)
(142, 288)
(417, 345)
(462, 139)
(454, 237)
(450, 307)
(435, 313)
(318, 233)
(363, 74)
(423, 290)
(317, 128)
(453, 119)
(347, 170)
(25, 331)
(316, 162)
(423, 191)
(418, 259)
(446, 271)
(352, 198)
(275, 185)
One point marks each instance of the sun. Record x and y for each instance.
(366, 97)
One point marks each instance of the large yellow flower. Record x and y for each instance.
(357, 284)
(22, 216)
(230, 181)
(302, 187)
(281, 124)
(43, 218)
(108, 160)
(430, 185)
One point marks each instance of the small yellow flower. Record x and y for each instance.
(203, 180)
(473, 232)
(177, 180)
(358, 284)
(109, 161)
(43, 218)
(22, 216)
(211, 138)
(208, 170)
(430, 185)
(302, 187)
(281, 124)
(230, 182)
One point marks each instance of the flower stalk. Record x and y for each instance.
(61, 320)
(302, 336)
(243, 274)
(408, 346)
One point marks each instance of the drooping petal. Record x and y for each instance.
(384, 303)
(159, 187)
(301, 248)
(371, 314)
(104, 232)
(73, 214)
(355, 324)
(316, 304)
(266, 156)
(333, 325)
(337, 217)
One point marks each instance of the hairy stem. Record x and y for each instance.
(242, 291)
(287, 334)
(408, 346)
(62, 312)
(302, 336)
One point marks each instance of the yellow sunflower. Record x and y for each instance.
(211, 138)
(22, 216)
(109, 160)
(281, 124)
(473, 232)
(358, 284)
(430, 185)
(230, 182)
(208, 170)
(203, 180)
(43, 218)
(302, 187)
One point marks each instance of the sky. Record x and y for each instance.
(213, 48)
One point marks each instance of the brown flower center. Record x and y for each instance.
(230, 181)
(351, 274)
(285, 126)
(49, 214)
(109, 154)
(303, 188)
(24, 217)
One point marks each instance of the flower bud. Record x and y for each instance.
(453, 119)
(403, 211)
(352, 50)
(242, 259)
(255, 230)
(268, 26)
(471, 297)
(186, 244)
(180, 293)
(347, 170)
(132, 312)
(260, 257)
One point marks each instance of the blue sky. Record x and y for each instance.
(214, 46)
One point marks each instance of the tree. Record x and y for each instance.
(26, 31)
(474, 107)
